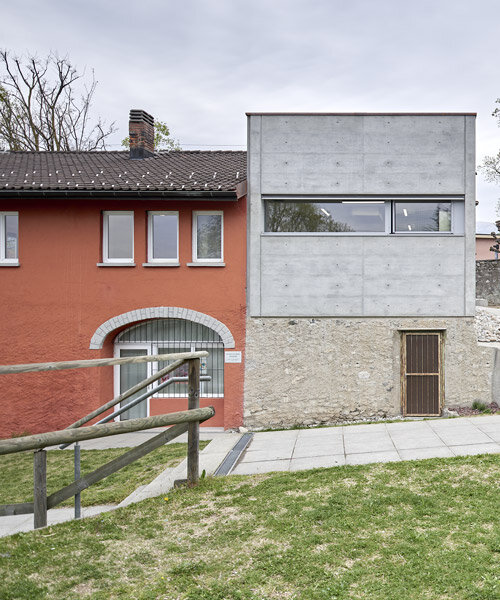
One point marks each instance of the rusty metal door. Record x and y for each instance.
(422, 380)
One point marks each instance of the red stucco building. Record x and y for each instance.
(120, 253)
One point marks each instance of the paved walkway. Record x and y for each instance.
(298, 449)
(294, 450)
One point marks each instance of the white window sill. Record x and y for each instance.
(112, 264)
(161, 264)
(206, 264)
(9, 264)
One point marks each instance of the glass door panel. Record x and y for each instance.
(130, 375)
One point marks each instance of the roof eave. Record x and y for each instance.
(231, 195)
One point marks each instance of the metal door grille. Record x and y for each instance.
(179, 335)
(422, 380)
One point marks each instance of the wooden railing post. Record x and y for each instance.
(193, 470)
(40, 488)
(78, 497)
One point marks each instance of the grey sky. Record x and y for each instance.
(199, 65)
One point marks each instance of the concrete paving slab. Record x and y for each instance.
(448, 423)
(493, 435)
(269, 444)
(267, 466)
(279, 434)
(368, 443)
(335, 446)
(488, 427)
(300, 464)
(321, 432)
(486, 419)
(273, 453)
(462, 437)
(421, 453)
(407, 426)
(365, 434)
(374, 427)
(426, 440)
(21, 523)
(371, 457)
(472, 449)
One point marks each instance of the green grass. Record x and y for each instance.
(481, 406)
(396, 531)
(16, 473)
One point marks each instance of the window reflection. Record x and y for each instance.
(422, 216)
(325, 216)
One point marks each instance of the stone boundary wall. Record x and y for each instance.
(303, 371)
(487, 324)
(488, 281)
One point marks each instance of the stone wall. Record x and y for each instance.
(309, 371)
(488, 281)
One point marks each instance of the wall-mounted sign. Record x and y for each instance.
(232, 356)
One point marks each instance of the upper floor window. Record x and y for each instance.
(385, 216)
(208, 236)
(118, 237)
(422, 217)
(9, 237)
(339, 217)
(163, 237)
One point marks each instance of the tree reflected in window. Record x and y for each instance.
(340, 217)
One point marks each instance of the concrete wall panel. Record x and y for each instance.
(360, 275)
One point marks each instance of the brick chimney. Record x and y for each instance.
(141, 134)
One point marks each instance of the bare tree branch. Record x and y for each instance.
(45, 105)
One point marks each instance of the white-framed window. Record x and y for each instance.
(168, 336)
(163, 237)
(118, 237)
(9, 238)
(208, 236)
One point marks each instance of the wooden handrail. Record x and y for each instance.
(182, 420)
(96, 362)
(52, 438)
(130, 392)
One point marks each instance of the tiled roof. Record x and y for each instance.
(182, 171)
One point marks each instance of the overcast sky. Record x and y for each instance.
(200, 65)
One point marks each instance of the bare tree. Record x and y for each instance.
(45, 105)
(490, 166)
(163, 139)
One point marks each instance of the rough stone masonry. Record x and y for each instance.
(307, 371)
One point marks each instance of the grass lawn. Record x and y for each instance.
(16, 473)
(396, 531)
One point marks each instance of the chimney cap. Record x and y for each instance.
(138, 116)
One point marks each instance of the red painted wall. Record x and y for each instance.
(55, 300)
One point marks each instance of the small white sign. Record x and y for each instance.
(232, 356)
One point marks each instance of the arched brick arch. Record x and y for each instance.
(160, 312)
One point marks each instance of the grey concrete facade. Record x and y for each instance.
(353, 157)
(325, 310)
